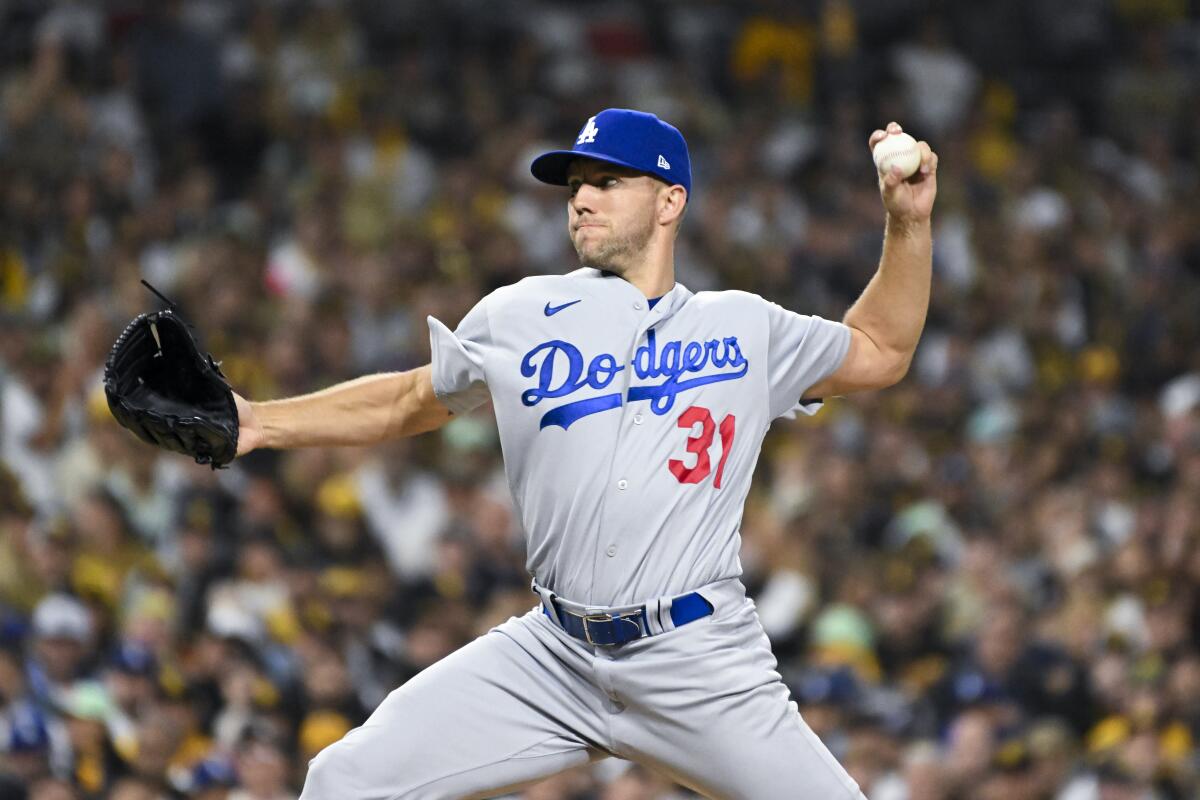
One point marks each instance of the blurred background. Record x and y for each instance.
(981, 583)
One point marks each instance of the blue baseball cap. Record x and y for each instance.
(627, 138)
(135, 658)
(212, 771)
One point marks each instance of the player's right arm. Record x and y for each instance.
(887, 319)
(363, 411)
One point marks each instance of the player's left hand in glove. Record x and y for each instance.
(169, 392)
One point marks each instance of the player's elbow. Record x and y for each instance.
(895, 369)
(883, 367)
(872, 363)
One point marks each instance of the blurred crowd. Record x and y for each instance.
(980, 583)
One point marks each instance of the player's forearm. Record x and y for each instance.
(892, 309)
(364, 411)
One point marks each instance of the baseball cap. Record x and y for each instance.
(212, 771)
(62, 616)
(134, 658)
(837, 686)
(627, 138)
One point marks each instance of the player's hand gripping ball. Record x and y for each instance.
(897, 150)
(907, 174)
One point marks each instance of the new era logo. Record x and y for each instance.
(588, 134)
(663, 163)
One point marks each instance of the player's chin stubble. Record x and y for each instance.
(615, 252)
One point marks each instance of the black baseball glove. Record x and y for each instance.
(169, 392)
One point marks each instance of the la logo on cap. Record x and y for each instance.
(663, 163)
(588, 134)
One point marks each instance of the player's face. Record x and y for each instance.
(610, 213)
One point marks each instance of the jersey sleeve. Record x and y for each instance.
(457, 360)
(801, 351)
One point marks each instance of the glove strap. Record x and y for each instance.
(161, 296)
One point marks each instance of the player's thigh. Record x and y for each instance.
(710, 710)
(772, 756)
(496, 714)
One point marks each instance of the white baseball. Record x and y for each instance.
(897, 150)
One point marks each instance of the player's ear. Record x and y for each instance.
(671, 202)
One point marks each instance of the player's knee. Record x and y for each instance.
(317, 777)
(330, 775)
(356, 770)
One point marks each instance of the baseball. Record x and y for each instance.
(899, 150)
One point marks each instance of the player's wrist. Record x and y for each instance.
(263, 428)
(907, 226)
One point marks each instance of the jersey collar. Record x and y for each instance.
(667, 305)
(670, 302)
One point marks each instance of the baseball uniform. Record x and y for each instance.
(630, 432)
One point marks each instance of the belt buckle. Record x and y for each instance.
(587, 632)
(630, 617)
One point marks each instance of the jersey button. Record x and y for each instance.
(638, 305)
(637, 419)
(621, 484)
(612, 550)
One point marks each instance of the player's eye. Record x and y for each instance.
(600, 181)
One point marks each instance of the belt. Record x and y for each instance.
(608, 629)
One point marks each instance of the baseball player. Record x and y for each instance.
(630, 412)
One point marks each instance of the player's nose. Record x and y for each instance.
(584, 199)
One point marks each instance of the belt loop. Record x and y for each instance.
(654, 617)
(664, 614)
(547, 600)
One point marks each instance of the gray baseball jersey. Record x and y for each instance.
(630, 434)
(629, 437)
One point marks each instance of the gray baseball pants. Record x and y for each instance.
(702, 704)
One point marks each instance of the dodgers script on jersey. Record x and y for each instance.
(630, 433)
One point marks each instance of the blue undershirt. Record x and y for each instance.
(653, 301)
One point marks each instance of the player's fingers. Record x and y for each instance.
(893, 177)
(876, 137)
(929, 164)
(894, 127)
(927, 158)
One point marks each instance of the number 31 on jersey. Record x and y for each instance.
(698, 445)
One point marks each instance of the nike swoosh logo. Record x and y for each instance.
(552, 310)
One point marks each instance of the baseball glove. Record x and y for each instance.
(168, 391)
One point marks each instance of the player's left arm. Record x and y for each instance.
(886, 321)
